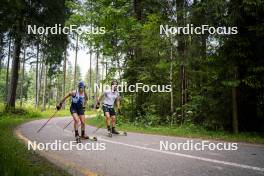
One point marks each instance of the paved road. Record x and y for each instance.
(140, 154)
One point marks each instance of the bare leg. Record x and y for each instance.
(82, 118)
(107, 119)
(76, 122)
(113, 124)
(113, 120)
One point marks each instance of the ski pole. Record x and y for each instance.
(97, 128)
(47, 121)
(67, 125)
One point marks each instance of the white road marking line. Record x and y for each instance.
(188, 156)
(184, 155)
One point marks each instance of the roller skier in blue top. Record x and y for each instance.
(77, 109)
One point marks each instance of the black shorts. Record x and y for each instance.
(79, 111)
(109, 109)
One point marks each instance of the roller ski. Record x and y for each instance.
(122, 133)
(112, 131)
(78, 139)
(109, 132)
(92, 138)
(85, 137)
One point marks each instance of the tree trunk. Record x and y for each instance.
(106, 69)
(7, 67)
(181, 51)
(75, 64)
(49, 92)
(171, 75)
(57, 91)
(36, 84)
(15, 68)
(44, 89)
(119, 68)
(102, 73)
(2, 56)
(22, 79)
(90, 79)
(96, 77)
(40, 80)
(140, 98)
(64, 75)
(182, 92)
(97, 66)
(234, 106)
(137, 9)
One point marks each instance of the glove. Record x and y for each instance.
(58, 107)
(97, 106)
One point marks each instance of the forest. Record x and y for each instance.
(217, 80)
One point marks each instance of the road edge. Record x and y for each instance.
(188, 138)
(53, 158)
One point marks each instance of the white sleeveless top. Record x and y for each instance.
(110, 97)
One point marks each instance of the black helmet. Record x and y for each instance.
(81, 84)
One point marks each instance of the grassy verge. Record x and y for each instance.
(189, 131)
(15, 159)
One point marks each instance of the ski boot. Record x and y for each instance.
(78, 139)
(114, 131)
(109, 131)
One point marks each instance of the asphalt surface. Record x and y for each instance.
(140, 154)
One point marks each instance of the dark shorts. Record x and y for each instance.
(109, 109)
(79, 111)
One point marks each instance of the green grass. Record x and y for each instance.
(15, 159)
(189, 131)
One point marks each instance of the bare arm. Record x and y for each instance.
(100, 98)
(65, 98)
(86, 99)
(118, 103)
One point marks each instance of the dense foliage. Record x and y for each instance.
(217, 80)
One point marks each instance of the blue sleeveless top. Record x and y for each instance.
(77, 100)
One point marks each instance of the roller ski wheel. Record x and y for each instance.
(89, 138)
(94, 138)
(123, 133)
(78, 139)
(109, 134)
